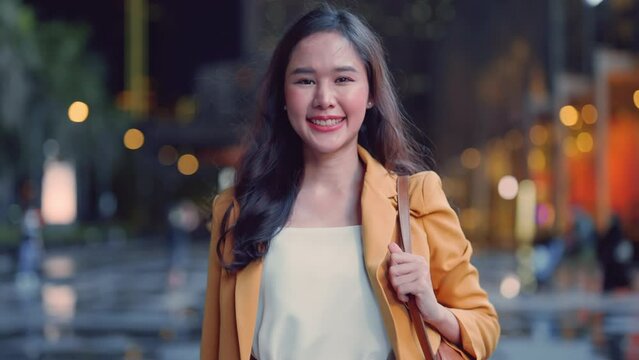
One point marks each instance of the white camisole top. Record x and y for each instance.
(315, 299)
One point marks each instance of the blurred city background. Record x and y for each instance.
(120, 120)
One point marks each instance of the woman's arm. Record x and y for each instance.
(455, 280)
(446, 285)
(410, 274)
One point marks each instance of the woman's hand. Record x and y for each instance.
(410, 274)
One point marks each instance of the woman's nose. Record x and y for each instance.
(324, 97)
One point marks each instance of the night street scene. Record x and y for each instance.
(120, 121)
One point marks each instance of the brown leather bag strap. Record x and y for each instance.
(406, 245)
(404, 214)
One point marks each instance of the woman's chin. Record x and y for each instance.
(325, 148)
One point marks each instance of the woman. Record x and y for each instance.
(303, 261)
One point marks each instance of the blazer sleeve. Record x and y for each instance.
(455, 279)
(209, 345)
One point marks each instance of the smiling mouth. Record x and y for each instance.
(329, 122)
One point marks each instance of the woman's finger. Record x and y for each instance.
(404, 268)
(408, 288)
(404, 279)
(402, 298)
(401, 258)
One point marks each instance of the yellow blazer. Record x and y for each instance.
(232, 299)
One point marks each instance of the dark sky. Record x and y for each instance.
(182, 36)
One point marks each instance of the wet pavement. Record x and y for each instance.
(121, 301)
(105, 302)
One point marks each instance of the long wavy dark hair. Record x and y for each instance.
(267, 182)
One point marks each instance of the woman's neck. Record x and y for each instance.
(341, 171)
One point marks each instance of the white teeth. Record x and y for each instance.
(330, 122)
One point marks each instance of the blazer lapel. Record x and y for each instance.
(379, 226)
(379, 212)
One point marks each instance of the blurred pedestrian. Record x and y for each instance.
(615, 254)
(548, 252)
(183, 220)
(31, 250)
(304, 261)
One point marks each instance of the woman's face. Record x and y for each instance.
(326, 92)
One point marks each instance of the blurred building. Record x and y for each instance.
(504, 92)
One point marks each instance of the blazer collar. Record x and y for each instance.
(382, 180)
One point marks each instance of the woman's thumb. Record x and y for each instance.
(394, 248)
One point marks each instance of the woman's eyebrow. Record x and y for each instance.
(303, 70)
(308, 70)
(345, 69)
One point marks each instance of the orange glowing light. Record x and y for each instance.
(538, 135)
(471, 158)
(536, 160)
(188, 164)
(78, 111)
(584, 142)
(133, 139)
(568, 115)
(589, 114)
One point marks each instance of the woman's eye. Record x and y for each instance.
(343, 79)
(305, 82)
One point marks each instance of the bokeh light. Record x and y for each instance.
(584, 142)
(510, 287)
(59, 301)
(568, 115)
(538, 135)
(525, 211)
(59, 266)
(471, 158)
(188, 164)
(167, 155)
(635, 98)
(570, 146)
(536, 160)
(59, 193)
(133, 139)
(545, 214)
(594, 3)
(78, 111)
(589, 114)
(508, 187)
(225, 178)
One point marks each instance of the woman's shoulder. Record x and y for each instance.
(426, 194)
(425, 182)
(425, 177)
